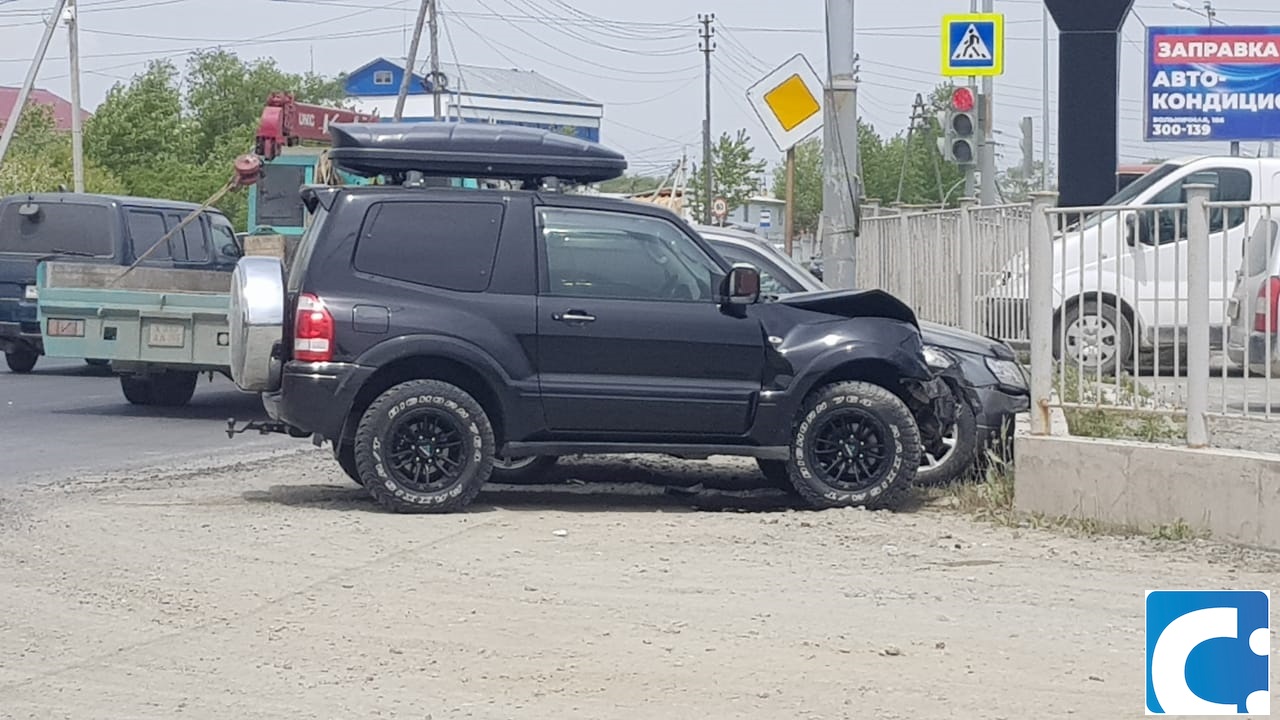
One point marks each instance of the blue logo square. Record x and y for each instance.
(973, 44)
(1208, 652)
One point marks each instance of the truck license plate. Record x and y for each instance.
(59, 327)
(165, 335)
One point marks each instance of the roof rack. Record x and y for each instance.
(492, 152)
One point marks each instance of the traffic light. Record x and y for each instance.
(960, 128)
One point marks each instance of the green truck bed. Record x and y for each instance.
(156, 317)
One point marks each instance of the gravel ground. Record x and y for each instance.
(276, 589)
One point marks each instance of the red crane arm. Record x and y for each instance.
(286, 122)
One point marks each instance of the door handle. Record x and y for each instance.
(574, 316)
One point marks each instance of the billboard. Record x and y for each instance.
(1213, 84)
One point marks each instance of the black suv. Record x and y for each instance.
(426, 332)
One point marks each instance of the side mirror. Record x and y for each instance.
(230, 250)
(1131, 230)
(742, 285)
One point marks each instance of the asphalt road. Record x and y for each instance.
(67, 418)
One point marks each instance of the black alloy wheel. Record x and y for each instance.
(851, 450)
(426, 450)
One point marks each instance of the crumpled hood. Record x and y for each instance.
(852, 304)
(963, 341)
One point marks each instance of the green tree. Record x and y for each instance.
(925, 177)
(165, 143)
(735, 173)
(809, 182)
(39, 159)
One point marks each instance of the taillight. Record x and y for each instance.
(1266, 307)
(312, 330)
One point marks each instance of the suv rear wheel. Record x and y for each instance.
(854, 444)
(424, 446)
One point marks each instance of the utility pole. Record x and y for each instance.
(707, 47)
(15, 114)
(986, 136)
(412, 61)
(436, 84)
(1044, 99)
(841, 190)
(77, 131)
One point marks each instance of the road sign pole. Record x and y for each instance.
(987, 150)
(790, 224)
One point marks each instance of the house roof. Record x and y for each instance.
(500, 82)
(61, 108)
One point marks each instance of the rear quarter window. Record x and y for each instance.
(447, 245)
(74, 227)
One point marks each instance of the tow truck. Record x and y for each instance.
(162, 327)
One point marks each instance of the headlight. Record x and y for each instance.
(937, 359)
(1008, 373)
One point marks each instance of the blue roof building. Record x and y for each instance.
(478, 94)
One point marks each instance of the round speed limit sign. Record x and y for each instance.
(720, 207)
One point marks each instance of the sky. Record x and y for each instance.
(641, 60)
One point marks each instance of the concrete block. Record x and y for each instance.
(1232, 495)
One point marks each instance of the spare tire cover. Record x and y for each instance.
(257, 323)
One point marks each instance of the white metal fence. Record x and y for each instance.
(1167, 311)
(947, 263)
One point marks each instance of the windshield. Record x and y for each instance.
(789, 275)
(1139, 186)
(58, 226)
(1130, 192)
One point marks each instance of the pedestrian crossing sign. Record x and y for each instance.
(973, 44)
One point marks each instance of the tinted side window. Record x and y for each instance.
(188, 244)
(1229, 185)
(440, 244)
(145, 228)
(624, 257)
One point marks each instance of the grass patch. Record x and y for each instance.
(1127, 410)
(988, 496)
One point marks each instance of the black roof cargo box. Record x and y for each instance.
(471, 150)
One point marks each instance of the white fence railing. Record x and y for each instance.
(1167, 310)
(944, 263)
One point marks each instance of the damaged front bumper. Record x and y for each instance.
(935, 404)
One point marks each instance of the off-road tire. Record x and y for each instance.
(524, 471)
(170, 389)
(345, 454)
(894, 476)
(21, 361)
(381, 420)
(960, 461)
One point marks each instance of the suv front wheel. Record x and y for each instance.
(854, 444)
(424, 446)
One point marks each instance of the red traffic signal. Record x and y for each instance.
(962, 99)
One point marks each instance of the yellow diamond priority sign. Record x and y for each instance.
(789, 102)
